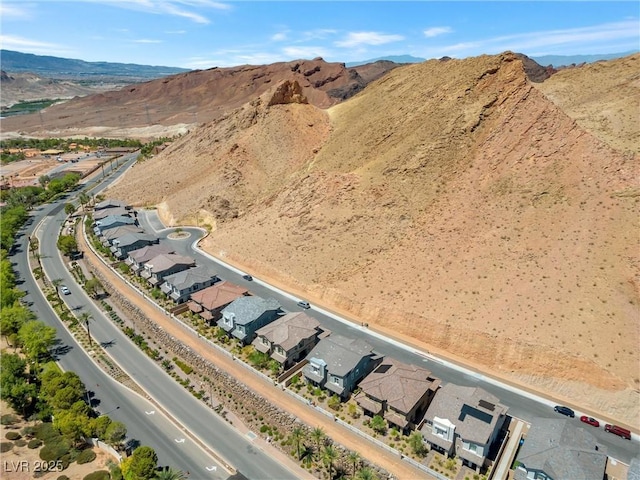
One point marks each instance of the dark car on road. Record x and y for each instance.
(248, 278)
(564, 410)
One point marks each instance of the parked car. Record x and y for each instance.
(590, 420)
(616, 430)
(65, 290)
(564, 410)
(304, 304)
(248, 278)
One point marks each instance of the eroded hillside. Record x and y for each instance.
(450, 202)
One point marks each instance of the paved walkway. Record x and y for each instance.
(376, 455)
(501, 472)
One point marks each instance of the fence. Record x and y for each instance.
(103, 446)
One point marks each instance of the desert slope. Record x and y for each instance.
(450, 202)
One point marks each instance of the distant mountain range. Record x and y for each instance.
(56, 67)
(544, 60)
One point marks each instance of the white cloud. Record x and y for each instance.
(356, 39)
(147, 40)
(10, 11)
(435, 31)
(189, 9)
(12, 42)
(293, 53)
(279, 37)
(317, 34)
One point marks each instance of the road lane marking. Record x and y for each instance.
(150, 413)
(179, 440)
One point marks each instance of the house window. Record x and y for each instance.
(315, 369)
(440, 431)
(240, 329)
(335, 379)
(265, 341)
(472, 447)
(280, 350)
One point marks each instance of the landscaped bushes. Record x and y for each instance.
(99, 475)
(86, 456)
(54, 450)
(12, 436)
(5, 447)
(35, 443)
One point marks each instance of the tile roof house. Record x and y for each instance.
(398, 392)
(338, 363)
(112, 221)
(105, 212)
(179, 286)
(110, 203)
(163, 265)
(209, 302)
(557, 450)
(242, 317)
(137, 258)
(464, 421)
(288, 339)
(109, 235)
(121, 246)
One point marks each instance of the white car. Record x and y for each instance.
(304, 304)
(65, 290)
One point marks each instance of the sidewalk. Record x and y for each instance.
(376, 455)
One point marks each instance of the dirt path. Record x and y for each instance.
(306, 414)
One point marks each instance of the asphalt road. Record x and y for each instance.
(173, 446)
(521, 404)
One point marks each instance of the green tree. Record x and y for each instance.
(22, 395)
(84, 200)
(298, 435)
(317, 435)
(169, 473)
(142, 465)
(416, 443)
(378, 424)
(92, 287)
(67, 244)
(69, 208)
(354, 459)
(44, 180)
(36, 339)
(87, 318)
(99, 427)
(12, 318)
(366, 474)
(56, 282)
(74, 424)
(334, 402)
(329, 455)
(116, 433)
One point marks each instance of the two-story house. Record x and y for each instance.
(288, 339)
(110, 203)
(209, 302)
(556, 449)
(106, 212)
(398, 392)
(464, 421)
(179, 286)
(242, 317)
(338, 363)
(136, 259)
(109, 235)
(129, 242)
(112, 221)
(163, 265)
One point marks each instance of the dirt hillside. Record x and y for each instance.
(452, 202)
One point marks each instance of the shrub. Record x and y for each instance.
(21, 442)
(12, 436)
(183, 366)
(6, 447)
(28, 431)
(99, 475)
(35, 443)
(86, 456)
(63, 477)
(54, 450)
(8, 419)
(46, 432)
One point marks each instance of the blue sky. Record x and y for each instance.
(206, 33)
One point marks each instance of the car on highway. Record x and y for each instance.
(304, 304)
(248, 278)
(590, 420)
(564, 410)
(65, 290)
(618, 430)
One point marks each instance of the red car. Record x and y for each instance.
(590, 420)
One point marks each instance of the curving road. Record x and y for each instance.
(145, 422)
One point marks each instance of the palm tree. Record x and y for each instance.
(354, 459)
(86, 318)
(329, 455)
(317, 434)
(56, 282)
(83, 198)
(297, 436)
(367, 474)
(169, 474)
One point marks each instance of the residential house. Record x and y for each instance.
(112, 221)
(137, 258)
(105, 212)
(464, 421)
(242, 317)
(110, 203)
(398, 392)
(180, 285)
(209, 302)
(556, 449)
(164, 265)
(338, 363)
(110, 235)
(121, 246)
(288, 339)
